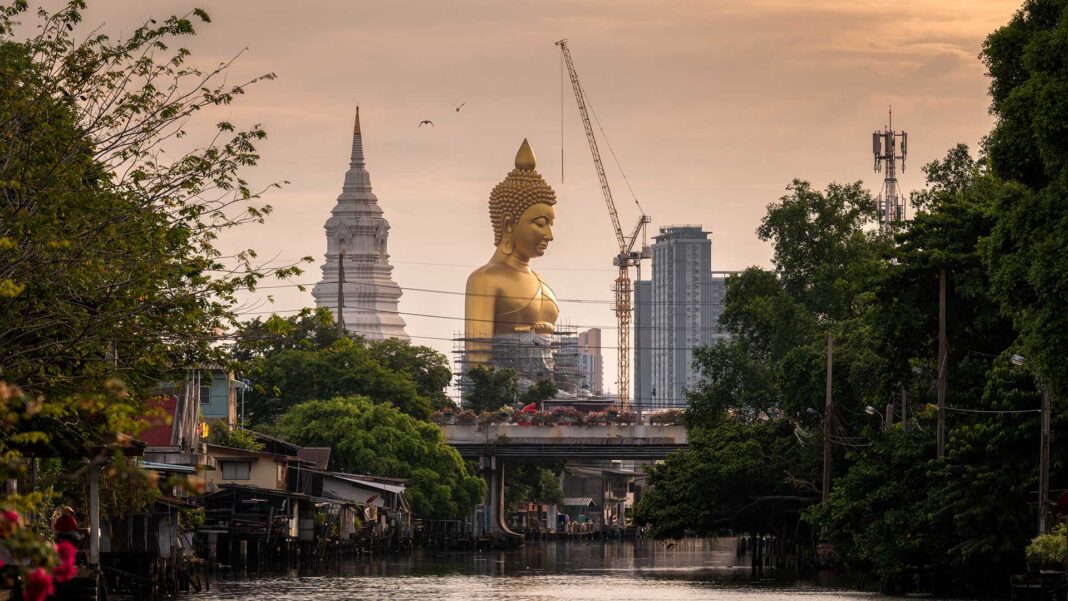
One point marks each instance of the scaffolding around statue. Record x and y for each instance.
(534, 357)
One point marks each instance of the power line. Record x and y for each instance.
(462, 293)
(994, 411)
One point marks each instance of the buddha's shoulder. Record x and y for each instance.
(488, 274)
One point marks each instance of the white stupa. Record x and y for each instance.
(357, 230)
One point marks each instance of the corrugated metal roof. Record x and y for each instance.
(368, 483)
(320, 456)
(167, 467)
(578, 502)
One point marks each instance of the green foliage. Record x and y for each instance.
(534, 483)
(732, 380)
(539, 391)
(1028, 150)
(190, 519)
(379, 440)
(235, 439)
(302, 357)
(490, 388)
(883, 514)
(426, 367)
(1050, 548)
(308, 330)
(110, 281)
(286, 377)
(107, 253)
(821, 244)
(736, 474)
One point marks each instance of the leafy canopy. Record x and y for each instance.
(379, 440)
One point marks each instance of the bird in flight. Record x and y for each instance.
(461, 105)
(426, 122)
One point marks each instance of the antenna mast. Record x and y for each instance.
(884, 146)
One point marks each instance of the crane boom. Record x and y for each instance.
(627, 257)
(580, 97)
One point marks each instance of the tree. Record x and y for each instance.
(110, 281)
(426, 367)
(539, 391)
(821, 244)
(287, 377)
(235, 439)
(308, 330)
(736, 474)
(379, 440)
(1028, 150)
(302, 357)
(107, 260)
(532, 482)
(491, 388)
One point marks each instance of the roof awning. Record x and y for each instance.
(578, 502)
(172, 468)
(368, 484)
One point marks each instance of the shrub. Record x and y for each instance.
(1049, 549)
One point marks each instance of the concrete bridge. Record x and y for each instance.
(536, 443)
(494, 445)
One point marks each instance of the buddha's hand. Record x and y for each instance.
(541, 327)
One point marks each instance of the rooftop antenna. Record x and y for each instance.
(884, 146)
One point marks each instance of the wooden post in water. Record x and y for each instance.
(94, 513)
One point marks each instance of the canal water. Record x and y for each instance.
(555, 571)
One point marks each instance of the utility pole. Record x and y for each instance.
(1043, 462)
(828, 413)
(341, 293)
(942, 375)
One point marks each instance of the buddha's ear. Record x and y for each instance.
(509, 224)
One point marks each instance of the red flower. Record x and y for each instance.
(66, 571)
(9, 523)
(38, 586)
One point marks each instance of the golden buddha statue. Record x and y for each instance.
(508, 305)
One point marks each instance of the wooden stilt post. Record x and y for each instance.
(94, 513)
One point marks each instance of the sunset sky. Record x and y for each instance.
(711, 107)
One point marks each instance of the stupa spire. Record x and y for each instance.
(357, 280)
(357, 143)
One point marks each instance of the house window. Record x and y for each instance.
(205, 393)
(235, 470)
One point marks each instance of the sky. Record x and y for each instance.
(711, 108)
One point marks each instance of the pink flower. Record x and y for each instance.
(38, 586)
(9, 523)
(66, 571)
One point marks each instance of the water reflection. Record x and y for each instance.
(683, 571)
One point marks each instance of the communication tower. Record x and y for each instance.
(884, 145)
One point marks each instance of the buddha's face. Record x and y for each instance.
(534, 230)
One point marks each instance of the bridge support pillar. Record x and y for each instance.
(494, 521)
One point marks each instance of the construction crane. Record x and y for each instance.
(627, 257)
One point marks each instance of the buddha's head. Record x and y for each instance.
(522, 209)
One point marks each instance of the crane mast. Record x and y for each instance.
(627, 257)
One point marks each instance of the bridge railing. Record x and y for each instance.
(564, 434)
